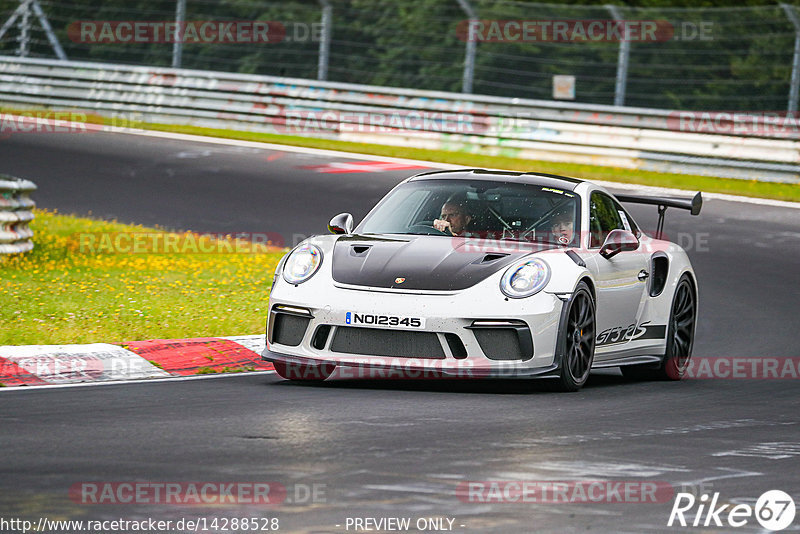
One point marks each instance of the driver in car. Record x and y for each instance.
(455, 216)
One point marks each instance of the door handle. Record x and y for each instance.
(643, 275)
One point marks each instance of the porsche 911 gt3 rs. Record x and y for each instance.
(477, 273)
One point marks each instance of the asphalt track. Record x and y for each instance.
(384, 448)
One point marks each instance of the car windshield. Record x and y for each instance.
(476, 208)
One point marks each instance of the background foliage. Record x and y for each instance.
(745, 64)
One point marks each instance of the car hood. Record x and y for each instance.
(422, 262)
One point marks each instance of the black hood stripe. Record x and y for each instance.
(421, 262)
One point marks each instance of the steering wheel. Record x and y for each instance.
(428, 225)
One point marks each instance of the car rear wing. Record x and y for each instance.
(693, 206)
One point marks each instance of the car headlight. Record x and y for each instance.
(302, 263)
(525, 279)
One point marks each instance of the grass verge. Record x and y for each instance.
(67, 292)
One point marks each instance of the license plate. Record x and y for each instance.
(389, 321)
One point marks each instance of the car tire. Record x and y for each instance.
(303, 371)
(578, 341)
(680, 338)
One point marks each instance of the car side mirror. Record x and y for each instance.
(341, 224)
(618, 241)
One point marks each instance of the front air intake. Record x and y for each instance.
(289, 329)
(504, 340)
(456, 346)
(321, 336)
(392, 343)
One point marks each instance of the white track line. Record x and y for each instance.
(288, 148)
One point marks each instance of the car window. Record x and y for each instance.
(627, 221)
(484, 209)
(604, 217)
(403, 209)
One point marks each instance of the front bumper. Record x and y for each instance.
(399, 368)
(456, 324)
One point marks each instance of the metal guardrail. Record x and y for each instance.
(635, 138)
(15, 214)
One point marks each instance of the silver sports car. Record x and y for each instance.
(476, 273)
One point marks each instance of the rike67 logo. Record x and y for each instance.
(774, 510)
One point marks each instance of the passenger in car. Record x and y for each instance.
(562, 226)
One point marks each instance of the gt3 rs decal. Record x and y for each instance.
(392, 321)
(620, 334)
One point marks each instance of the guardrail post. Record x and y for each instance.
(15, 214)
(48, 30)
(325, 40)
(471, 47)
(24, 29)
(23, 10)
(794, 85)
(177, 47)
(12, 19)
(622, 60)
